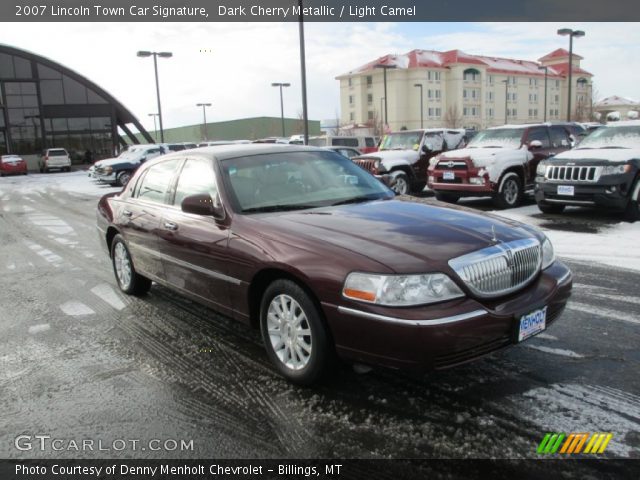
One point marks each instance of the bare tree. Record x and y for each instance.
(453, 118)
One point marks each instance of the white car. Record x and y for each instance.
(54, 158)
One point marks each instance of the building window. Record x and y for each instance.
(349, 82)
(490, 113)
(514, 112)
(350, 99)
(512, 80)
(434, 112)
(434, 94)
(369, 81)
(533, 82)
(370, 115)
(490, 79)
(556, 99)
(557, 83)
(471, 75)
(489, 96)
(369, 98)
(433, 76)
(351, 116)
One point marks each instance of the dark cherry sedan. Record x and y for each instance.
(313, 250)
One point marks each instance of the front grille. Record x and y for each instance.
(366, 163)
(573, 173)
(499, 269)
(452, 165)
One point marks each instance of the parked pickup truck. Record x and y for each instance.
(499, 162)
(118, 171)
(603, 170)
(404, 156)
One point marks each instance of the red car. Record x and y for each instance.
(307, 246)
(12, 164)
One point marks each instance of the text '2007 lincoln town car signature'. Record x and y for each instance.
(313, 250)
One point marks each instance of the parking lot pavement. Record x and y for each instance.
(80, 360)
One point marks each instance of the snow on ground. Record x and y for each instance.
(617, 245)
(38, 183)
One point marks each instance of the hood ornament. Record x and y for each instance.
(494, 238)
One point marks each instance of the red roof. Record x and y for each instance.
(558, 53)
(563, 69)
(435, 59)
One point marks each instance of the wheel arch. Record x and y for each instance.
(111, 233)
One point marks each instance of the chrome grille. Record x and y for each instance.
(573, 173)
(451, 165)
(499, 269)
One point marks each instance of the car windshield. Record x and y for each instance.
(612, 137)
(298, 180)
(497, 138)
(401, 141)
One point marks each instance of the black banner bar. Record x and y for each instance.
(318, 10)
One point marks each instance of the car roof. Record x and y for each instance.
(224, 152)
(624, 123)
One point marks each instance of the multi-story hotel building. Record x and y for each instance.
(462, 90)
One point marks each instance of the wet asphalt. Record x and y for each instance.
(79, 360)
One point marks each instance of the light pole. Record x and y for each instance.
(146, 53)
(280, 85)
(204, 118)
(419, 85)
(384, 72)
(546, 73)
(155, 128)
(506, 90)
(571, 33)
(303, 73)
(381, 119)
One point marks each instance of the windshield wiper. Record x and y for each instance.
(360, 199)
(277, 208)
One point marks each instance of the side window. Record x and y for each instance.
(539, 133)
(157, 181)
(196, 177)
(369, 142)
(560, 137)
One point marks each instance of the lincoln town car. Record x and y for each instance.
(315, 252)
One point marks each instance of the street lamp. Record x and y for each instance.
(384, 71)
(155, 128)
(280, 85)
(571, 33)
(382, 99)
(204, 118)
(546, 73)
(419, 85)
(506, 89)
(146, 53)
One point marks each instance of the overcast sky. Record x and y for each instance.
(232, 65)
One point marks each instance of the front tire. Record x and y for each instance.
(510, 193)
(293, 332)
(401, 185)
(123, 178)
(632, 210)
(129, 281)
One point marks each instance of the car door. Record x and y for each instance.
(539, 153)
(139, 216)
(195, 247)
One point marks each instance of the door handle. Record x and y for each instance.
(170, 226)
(127, 213)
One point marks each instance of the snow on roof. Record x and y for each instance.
(558, 53)
(435, 59)
(624, 123)
(616, 100)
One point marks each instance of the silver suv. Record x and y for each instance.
(54, 158)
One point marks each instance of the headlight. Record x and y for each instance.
(400, 290)
(616, 169)
(548, 256)
(108, 170)
(541, 169)
(377, 164)
(434, 160)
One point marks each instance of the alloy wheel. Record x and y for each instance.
(289, 332)
(122, 262)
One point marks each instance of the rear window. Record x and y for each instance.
(369, 142)
(57, 152)
(344, 142)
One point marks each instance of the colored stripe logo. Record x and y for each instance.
(573, 443)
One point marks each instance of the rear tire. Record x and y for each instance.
(510, 194)
(447, 197)
(129, 281)
(549, 208)
(294, 333)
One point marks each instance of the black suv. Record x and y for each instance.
(603, 170)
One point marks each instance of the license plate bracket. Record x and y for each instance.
(568, 190)
(448, 175)
(531, 324)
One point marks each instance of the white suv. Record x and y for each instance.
(54, 158)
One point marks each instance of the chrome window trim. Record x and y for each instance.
(413, 323)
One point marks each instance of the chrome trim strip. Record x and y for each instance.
(413, 323)
(191, 266)
(563, 279)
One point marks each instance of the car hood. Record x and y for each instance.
(112, 162)
(392, 154)
(404, 236)
(481, 157)
(607, 154)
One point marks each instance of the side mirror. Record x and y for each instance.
(203, 204)
(533, 144)
(427, 147)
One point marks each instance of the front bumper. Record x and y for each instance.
(445, 335)
(461, 183)
(611, 193)
(110, 178)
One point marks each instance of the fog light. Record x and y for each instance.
(611, 189)
(476, 181)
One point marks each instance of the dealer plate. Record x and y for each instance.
(532, 323)
(568, 190)
(448, 175)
